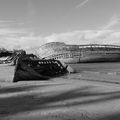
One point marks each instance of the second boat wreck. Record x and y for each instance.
(79, 53)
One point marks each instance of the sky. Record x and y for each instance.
(27, 24)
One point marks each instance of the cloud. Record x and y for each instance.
(82, 4)
(20, 40)
(29, 40)
(4, 23)
(113, 23)
(9, 23)
(17, 38)
(12, 36)
(87, 37)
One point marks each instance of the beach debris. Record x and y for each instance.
(12, 59)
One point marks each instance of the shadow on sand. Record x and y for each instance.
(37, 101)
(23, 88)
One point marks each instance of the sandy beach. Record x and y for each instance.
(92, 94)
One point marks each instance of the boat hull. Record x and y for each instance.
(35, 69)
(80, 53)
(99, 57)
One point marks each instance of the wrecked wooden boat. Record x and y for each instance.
(30, 68)
(72, 54)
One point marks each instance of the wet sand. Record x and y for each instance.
(92, 94)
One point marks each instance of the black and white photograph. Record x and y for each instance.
(59, 59)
